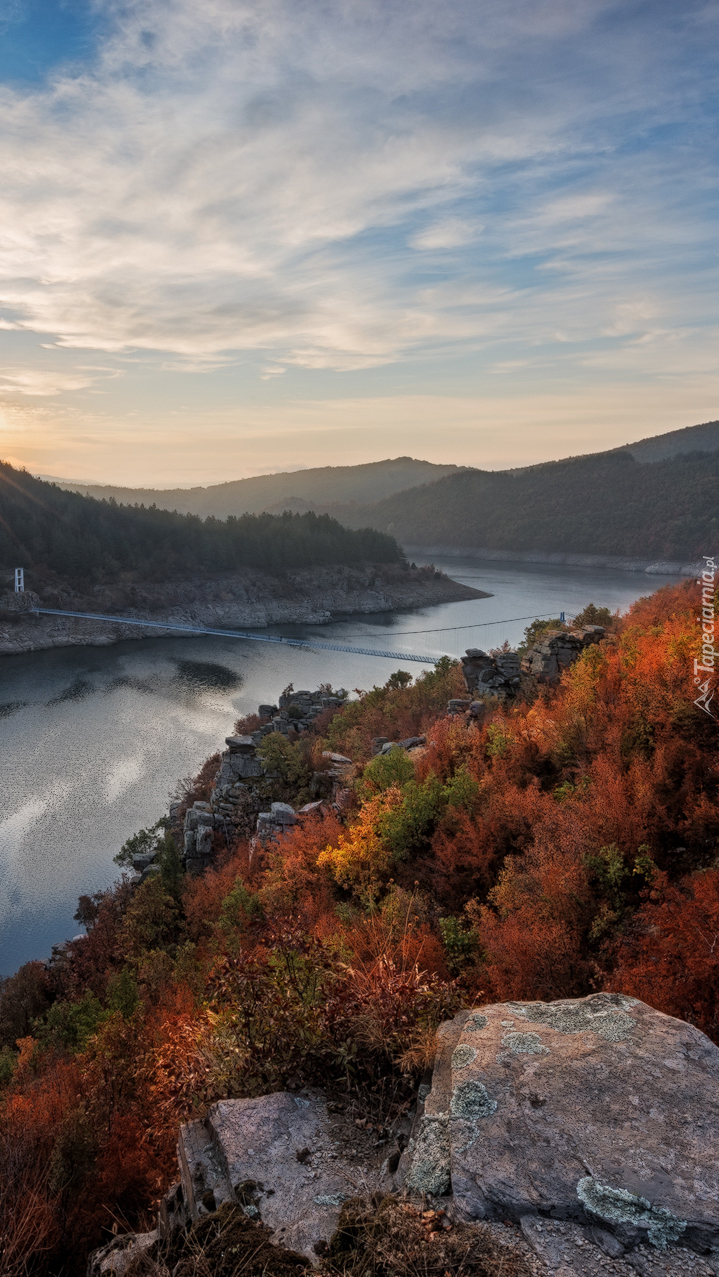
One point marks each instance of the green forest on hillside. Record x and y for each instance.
(603, 504)
(46, 528)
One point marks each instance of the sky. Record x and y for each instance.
(241, 236)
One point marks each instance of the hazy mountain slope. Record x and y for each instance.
(603, 504)
(322, 487)
(703, 438)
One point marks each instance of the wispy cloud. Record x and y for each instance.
(41, 383)
(344, 187)
(451, 232)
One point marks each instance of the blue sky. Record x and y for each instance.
(239, 237)
(39, 36)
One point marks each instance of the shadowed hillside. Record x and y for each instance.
(604, 504)
(704, 438)
(48, 529)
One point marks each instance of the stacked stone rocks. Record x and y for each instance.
(499, 678)
(557, 650)
(486, 675)
(296, 710)
(239, 800)
(200, 824)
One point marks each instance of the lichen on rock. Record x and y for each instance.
(619, 1206)
(471, 1100)
(462, 1056)
(604, 1014)
(429, 1171)
(475, 1023)
(524, 1044)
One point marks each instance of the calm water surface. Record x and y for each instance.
(93, 740)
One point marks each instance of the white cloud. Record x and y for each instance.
(452, 232)
(41, 383)
(249, 175)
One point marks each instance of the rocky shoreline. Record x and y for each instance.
(247, 599)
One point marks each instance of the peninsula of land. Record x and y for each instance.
(246, 599)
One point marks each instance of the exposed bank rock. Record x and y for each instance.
(599, 1110)
(246, 599)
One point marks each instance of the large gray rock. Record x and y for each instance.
(283, 1157)
(600, 1110)
(494, 676)
(242, 766)
(203, 840)
(197, 816)
(557, 650)
(240, 744)
(568, 1249)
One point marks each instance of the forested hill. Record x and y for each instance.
(50, 530)
(324, 486)
(608, 503)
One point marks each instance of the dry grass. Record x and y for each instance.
(376, 1237)
(384, 1237)
(224, 1244)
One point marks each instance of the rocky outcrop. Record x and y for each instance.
(491, 677)
(247, 599)
(382, 745)
(242, 802)
(557, 650)
(496, 676)
(600, 1111)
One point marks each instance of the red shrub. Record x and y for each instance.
(670, 957)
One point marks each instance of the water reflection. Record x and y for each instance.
(205, 674)
(75, 692)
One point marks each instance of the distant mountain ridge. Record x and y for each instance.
(614, 504)
(702, 438)
(656, 499)
(301, 490)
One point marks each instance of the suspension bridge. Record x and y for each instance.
(254, 637)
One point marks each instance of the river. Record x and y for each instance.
(93, 740)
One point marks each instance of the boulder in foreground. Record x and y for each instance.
(599, 1110)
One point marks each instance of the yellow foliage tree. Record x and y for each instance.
(361, 857)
